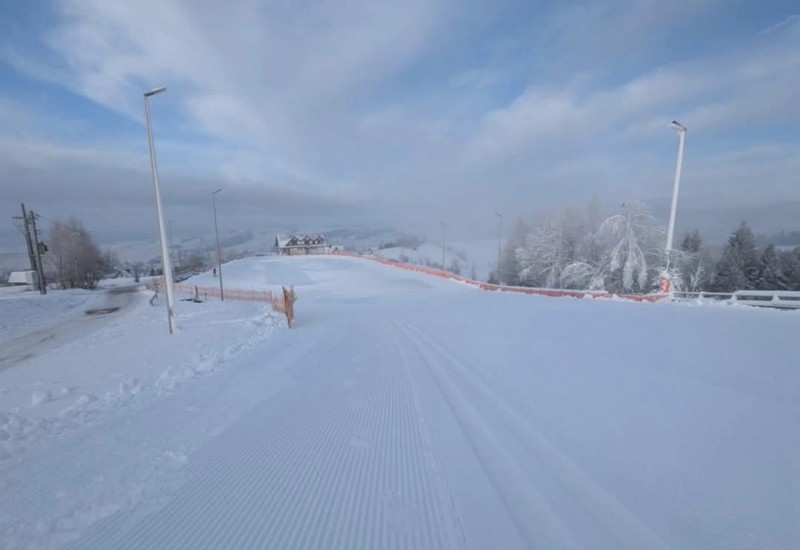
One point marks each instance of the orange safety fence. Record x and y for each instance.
(556, 293)
(283, 304)
(289, 298)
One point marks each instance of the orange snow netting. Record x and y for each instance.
(556, 293)
(283, 303)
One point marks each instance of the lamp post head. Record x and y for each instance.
(155, 91)
(498, 214)
(678, 126)
(217, 191)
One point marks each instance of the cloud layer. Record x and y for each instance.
(409, 112)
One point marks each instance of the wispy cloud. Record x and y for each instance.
(417, 108)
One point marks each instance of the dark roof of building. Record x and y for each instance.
(300, 239)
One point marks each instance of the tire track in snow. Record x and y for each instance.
(533, 517)
(433, 457)
(340, 461)
(458, 378)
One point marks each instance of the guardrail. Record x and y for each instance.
(778, 299)
(711, 296)
(781, 299)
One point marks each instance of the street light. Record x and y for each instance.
(171, 245)
(216, 232)
(166, 264)
(443, 268)
(671, 228)
(499, 241)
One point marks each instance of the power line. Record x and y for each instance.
(59, 224)
(19, 224)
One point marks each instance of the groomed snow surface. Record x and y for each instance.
(401, 411)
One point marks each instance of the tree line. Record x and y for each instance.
(74, 260)
(578, 248)
(74, 257)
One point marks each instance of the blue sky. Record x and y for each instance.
(401, 113)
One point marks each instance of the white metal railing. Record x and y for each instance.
(717, 296)
(781, 299)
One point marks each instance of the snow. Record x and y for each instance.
(22, 311)
(406, 411)
(41, 397)
(86, 363)
(480, 255)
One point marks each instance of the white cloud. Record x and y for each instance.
(261, 74)
(322, 99)
(742, 88)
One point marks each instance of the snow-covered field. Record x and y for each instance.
(404, 411)
(475, 258)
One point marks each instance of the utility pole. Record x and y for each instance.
(28, 238)
(34, 248)
(38, 249)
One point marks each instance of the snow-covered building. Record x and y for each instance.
(292, 245)
(23, 278)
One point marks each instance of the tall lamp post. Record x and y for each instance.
(171, 245)
(675, 189)
(216, 232)
(166, 264)
(443, 267)
(499, 243)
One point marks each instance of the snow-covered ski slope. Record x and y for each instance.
(404, 411)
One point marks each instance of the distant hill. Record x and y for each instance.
(782, 239)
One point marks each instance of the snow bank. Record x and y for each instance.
(131, 359)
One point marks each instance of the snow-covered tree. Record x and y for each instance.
(729, 276)
(587, 266)
(575, 248)
(790, 266)
(509, 265)
(692, 242)
(737, 269)
(770, 274)
(591, 247)
(636, 248)
(697, 273)
(544, 253)
(691, 264)
(583, 275)
(560, 240)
